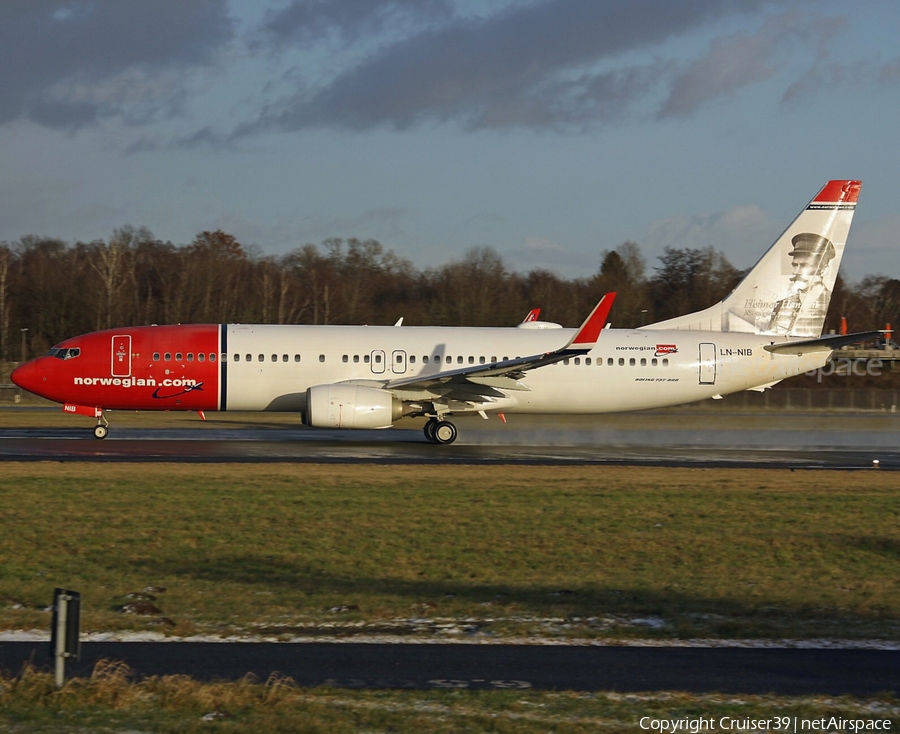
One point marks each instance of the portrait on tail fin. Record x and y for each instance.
(806, 307)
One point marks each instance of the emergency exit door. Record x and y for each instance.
(121, 356)
(376, 361)
(707, 364)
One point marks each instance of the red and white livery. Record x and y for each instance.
(769, 328)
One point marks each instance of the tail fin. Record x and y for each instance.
(787, 292)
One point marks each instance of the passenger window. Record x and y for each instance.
(654, 362)
(296, 357)
(631, 362)
(168, 357)
(643, 362)
(621, 361)
(237, 357)
(355, 359)
(587, 361)
(284, 358)
(156, 356)
(450, 359)
(178, 356)
(412, 358)
(321, 357)
(345, 359)
(248, 357)
(566, 361)
(274, 357)
(425, 359)
(399, 359)
(201, 357)
(665, 362)
(578, 361)
(366, 359)
(493, 359)
(190, 356)
(481, 360)
(262, 357)
(609, 362)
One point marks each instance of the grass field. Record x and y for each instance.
(111, 701)
(618, 552)
(584, 552)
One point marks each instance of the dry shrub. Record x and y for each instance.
(114, 685)
(30, 686)
(178, 692)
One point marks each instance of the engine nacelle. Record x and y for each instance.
(351, 406)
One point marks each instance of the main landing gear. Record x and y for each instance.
(440, 431)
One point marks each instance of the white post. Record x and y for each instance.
(62, 602)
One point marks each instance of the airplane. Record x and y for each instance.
(767, 329)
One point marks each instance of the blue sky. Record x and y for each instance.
(550, 130)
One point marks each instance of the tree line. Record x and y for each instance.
(51, 290)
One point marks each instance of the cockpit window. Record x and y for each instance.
(64, 353)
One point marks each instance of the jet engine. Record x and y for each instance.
(351, 406)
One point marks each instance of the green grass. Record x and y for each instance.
(558, 551)
(111, 700)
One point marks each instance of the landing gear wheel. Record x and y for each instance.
(100, 431)
(444, 432)
(429, 430)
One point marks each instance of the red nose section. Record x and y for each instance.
(28, 377)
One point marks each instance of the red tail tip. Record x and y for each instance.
(843, 191)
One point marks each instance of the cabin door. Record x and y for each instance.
(121, 356)
(707, 364)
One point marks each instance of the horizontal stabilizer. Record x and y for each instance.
(822, 344)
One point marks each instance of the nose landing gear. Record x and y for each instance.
(101, 430)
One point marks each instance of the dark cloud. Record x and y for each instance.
(533, 64)
(65, 63)
(729, 66)
(308, 21)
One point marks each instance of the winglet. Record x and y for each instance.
(590, 330)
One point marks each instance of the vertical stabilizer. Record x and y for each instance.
(787, 292)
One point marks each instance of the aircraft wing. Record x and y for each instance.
(507, 373)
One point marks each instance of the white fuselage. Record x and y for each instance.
(271, 367)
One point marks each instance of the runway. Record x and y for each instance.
(518, 667)
(665, 438)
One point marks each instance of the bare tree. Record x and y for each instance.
(108, 262)
(5, 261)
